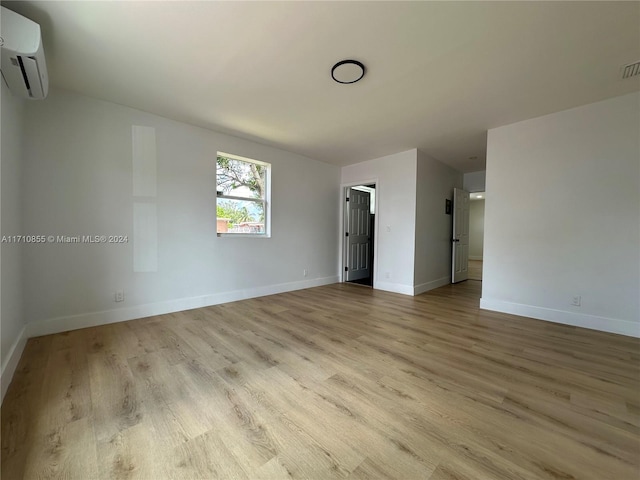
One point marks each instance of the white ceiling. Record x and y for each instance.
(439, 74)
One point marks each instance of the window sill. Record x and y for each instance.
(243, 235)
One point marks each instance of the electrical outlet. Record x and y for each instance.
(577, 300)
(304, 272)
(119, 296)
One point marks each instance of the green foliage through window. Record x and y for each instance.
(241, 190)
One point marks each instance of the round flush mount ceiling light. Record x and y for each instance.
(347, 71)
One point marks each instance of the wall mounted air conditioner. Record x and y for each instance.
(23, 66)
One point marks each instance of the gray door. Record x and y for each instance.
(358, 235)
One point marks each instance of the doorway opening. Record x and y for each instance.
(476, 234)
(359, 223)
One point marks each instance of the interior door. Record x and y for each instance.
(460, 249)
(358, 235)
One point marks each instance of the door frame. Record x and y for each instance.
(342, 257)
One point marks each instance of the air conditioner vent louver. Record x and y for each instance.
(22, 61)
(631, 70)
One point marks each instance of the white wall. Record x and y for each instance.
(476, 229)
(563, 217)
(78, 181)
(435, 184)
(11, 316)
(396, 194)
(475, 181)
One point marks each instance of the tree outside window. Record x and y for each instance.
(242, 198)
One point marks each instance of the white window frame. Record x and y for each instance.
(266, 201)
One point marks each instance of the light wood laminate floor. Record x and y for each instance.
(475, 269)
(332, 382)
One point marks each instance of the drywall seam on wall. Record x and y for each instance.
(612, 325)
(145, 216)
(63, 324)
(144, 172)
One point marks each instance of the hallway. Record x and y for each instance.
(475, 270)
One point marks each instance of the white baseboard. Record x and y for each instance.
(425, 287)
(411, 290)
(11, 362)
(475, 257)
(604, 324)
(92, 319)
(394, 287)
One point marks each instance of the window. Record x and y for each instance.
(242, 204)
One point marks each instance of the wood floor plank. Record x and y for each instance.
(391, 467)
(21, 405)
(122, 457)
(168, 404)
(114, 396)
(205, 456)
(65, 395)
(339, 381)
(68, 451)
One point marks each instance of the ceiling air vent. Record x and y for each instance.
(631, 70)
